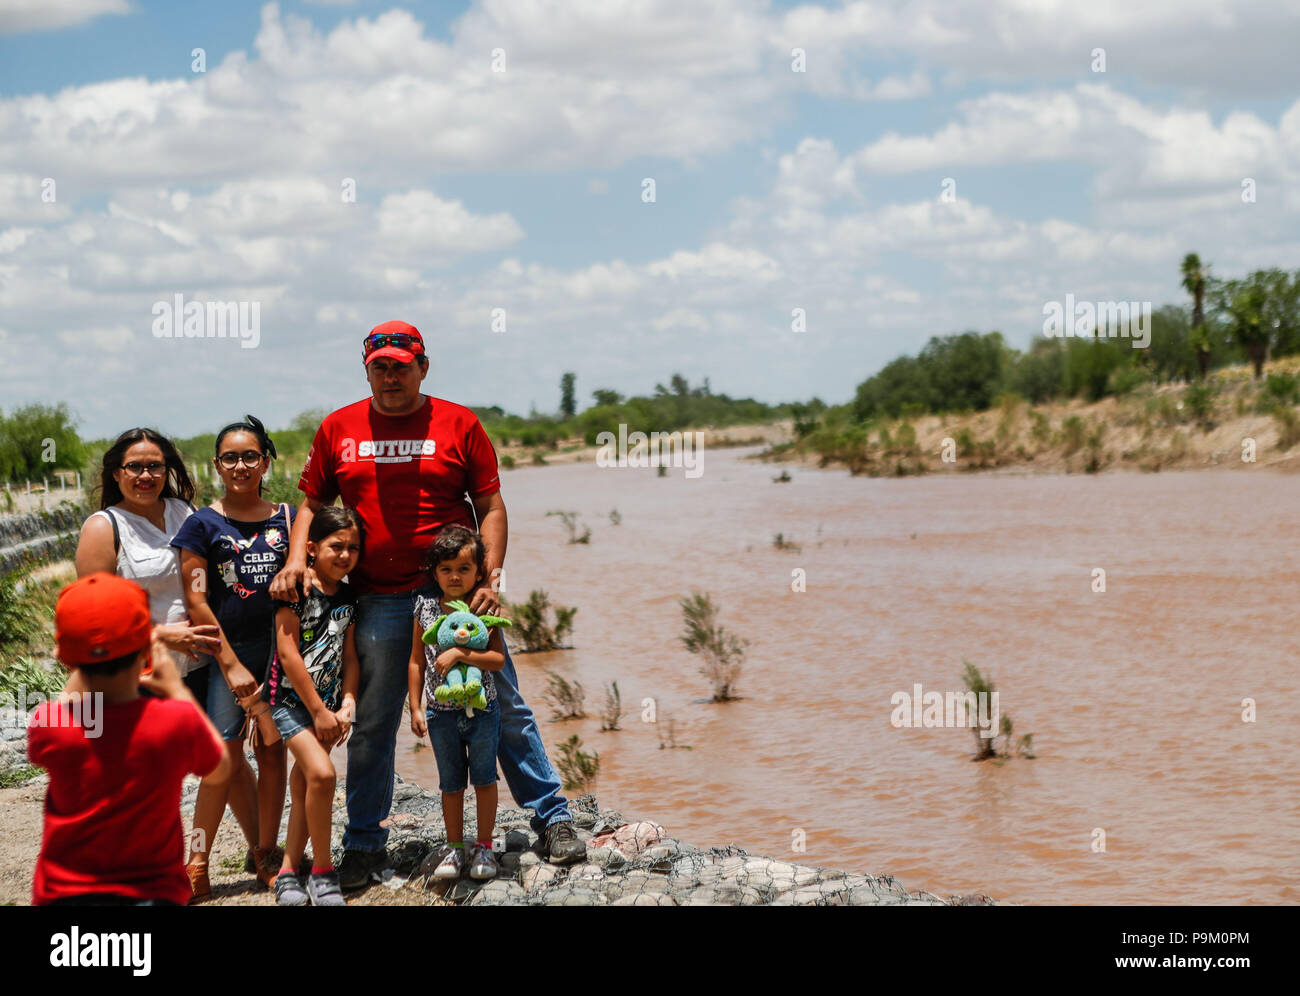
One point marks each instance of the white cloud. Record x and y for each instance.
(420, 221)
(1138, 150)
(21, 200)
(17, 16)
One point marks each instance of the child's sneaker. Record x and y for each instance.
(289, 890)
(482, 863)
(452, 864)
(323, 889)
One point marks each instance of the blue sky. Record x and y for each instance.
(521, 189)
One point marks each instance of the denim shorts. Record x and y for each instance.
(465, 747)
(209, 687)
(291, 720)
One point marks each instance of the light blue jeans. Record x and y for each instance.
(384, 626)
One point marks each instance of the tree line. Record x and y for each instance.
(1227, 321)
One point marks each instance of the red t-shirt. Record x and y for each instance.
(113, 806)
(406, 475)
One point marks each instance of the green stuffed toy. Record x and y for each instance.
(461, 628)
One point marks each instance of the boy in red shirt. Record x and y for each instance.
(116, 758)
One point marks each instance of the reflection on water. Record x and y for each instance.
(1134, 695)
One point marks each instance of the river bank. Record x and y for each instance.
(1229, 422)
(629, 863)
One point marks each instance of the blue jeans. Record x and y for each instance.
(384, 626)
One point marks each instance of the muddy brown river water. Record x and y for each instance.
(1134, 695)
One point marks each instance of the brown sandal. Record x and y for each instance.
(199, 883)
(267, 863)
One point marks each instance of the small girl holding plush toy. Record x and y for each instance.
(453, 655)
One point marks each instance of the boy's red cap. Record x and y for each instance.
(100, 617)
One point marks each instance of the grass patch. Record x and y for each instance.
(13, 777)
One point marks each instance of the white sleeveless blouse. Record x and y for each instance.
(147, 557)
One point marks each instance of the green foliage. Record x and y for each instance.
(1125, 380)
(1039, 374)
(1096, 456)
(568, 404)
(1261, 311)
(1288, 427)
(37, 439)
(612, 711)
(17, 621)
(570, 520)
(21, 775)
(566, 697)
(1072, 434)
(806, 417)
(1088, 365)
(952, 373)
(779, 542)
(533, 627)
(984, 746)
(1280, 389)
(723, 651)
(1198, 400)
(30, 675)
(577, 768)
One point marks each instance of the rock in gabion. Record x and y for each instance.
(629, 863)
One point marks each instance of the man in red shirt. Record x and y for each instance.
(116, 759)
(408, 463)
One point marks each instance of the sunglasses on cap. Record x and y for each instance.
(396, 340)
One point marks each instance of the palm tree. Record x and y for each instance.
(1195, 277)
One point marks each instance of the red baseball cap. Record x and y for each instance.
(100, 617)
(398, 340)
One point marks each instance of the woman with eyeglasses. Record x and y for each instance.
(229, 552)
(145, 495)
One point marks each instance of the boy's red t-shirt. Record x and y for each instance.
(406, 475)
(113, 806)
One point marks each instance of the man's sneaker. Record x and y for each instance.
(561, 845)
(324, 890)
(359, 868)
(482, 863)
(452, 864)
(289, 890)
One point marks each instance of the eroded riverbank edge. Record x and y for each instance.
(629, 862)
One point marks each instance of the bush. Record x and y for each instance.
(1198, 399)
(1288, 427)
(565, 697)
(723, 652)
(17, 621)
(577, 768)
(533, 629)
(1072, 434)
(612, 711)
(1280, 390)
(570, 520)
(985, 746)
(1125, 380)
(28, 675)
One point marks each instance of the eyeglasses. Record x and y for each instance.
(230, 461)
(152, 469)
(398, 340)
